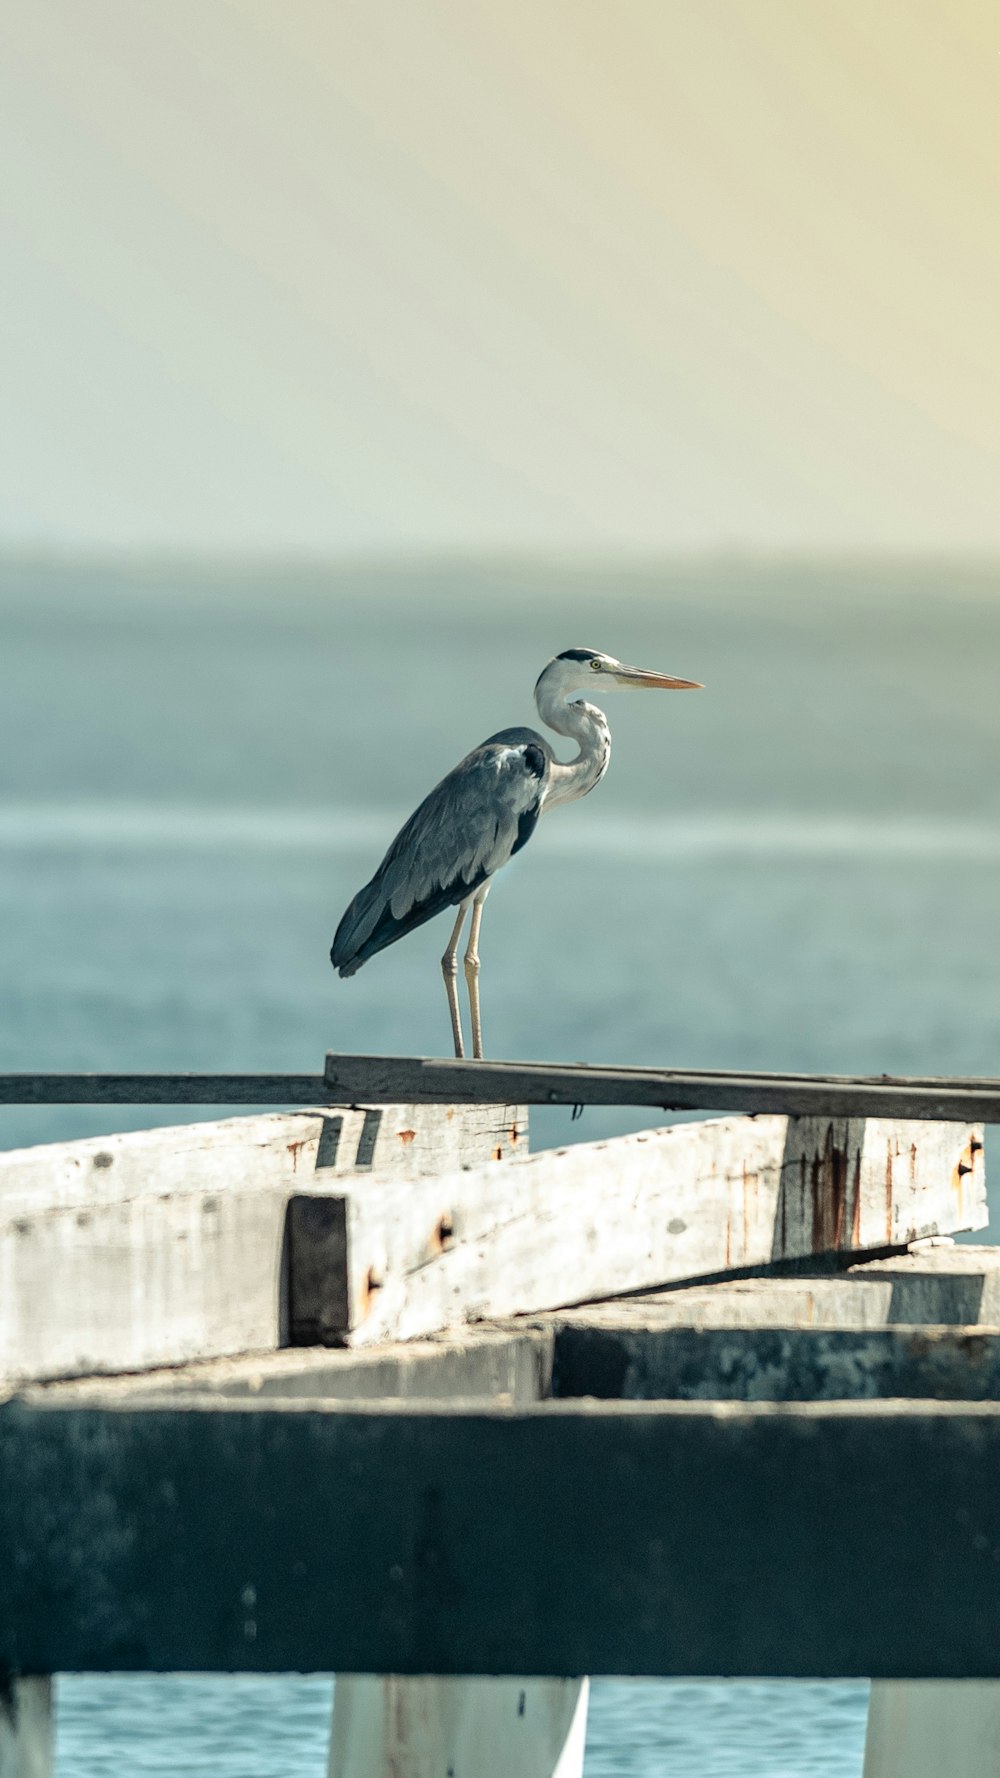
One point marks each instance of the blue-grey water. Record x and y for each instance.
(798, 868)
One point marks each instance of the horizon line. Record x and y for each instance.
(126, 557)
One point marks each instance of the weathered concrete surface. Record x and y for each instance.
(514, 1367)
(922, 1730)
(120, 1253)
(575, 1225)
(570, 1359)
(362, 1226)
(479, 1728)
(236, 1154)
(26, 1728)
(941, 1285)
(568, 1537)
(934, 1729)
(777, 1364)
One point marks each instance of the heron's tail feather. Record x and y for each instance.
(348, 953)
(370, 924)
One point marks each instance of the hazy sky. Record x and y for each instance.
(328, 275)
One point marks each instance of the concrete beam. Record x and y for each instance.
(559, 1539)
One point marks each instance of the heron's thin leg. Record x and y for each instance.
(449, 969)
(472, 972)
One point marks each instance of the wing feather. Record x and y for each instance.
(471, 823)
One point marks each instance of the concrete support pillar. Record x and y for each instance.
(458, 1728)
(933, 1728)
(26, 1728)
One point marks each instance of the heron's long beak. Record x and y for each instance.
(637, 677)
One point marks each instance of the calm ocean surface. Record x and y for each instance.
(798, 868)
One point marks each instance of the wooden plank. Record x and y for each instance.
(563, 1538)
(578, 1224)
(775, 1364)
(543, 1083)
(395, 1079)
(122, 1252)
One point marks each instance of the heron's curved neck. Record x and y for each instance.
(588, 727)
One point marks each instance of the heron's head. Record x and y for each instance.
(588, 672)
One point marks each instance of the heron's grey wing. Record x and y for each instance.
(471, 823)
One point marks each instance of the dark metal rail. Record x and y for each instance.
(163, 1089)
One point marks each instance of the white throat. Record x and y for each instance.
(584, 723)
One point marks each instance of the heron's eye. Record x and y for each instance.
(595, 666)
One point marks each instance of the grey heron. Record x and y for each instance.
(484, 811)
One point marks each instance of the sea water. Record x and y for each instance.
(798, 868)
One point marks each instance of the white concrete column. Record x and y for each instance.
(933, 1728)
(457, 1728)
(26, 1729)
